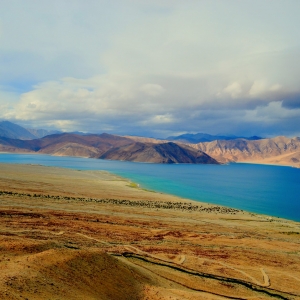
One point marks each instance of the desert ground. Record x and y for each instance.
(69, 234)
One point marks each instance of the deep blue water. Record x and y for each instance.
(270, 190)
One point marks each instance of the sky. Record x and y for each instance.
(152, 68)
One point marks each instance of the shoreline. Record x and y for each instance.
(265, 164)
(293, 165)
(136, 187)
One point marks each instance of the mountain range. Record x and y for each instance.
(204, 137)
(14, 131)
(279, 150)
(107, 146)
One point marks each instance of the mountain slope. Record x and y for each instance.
(107, 146)
(158, 153)
(14, 131)
(279, 150)
(98, 144)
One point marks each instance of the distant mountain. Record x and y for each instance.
(106, 146)
(279, 150)
(158, 153)
(204, 137)
(39, 133)
(14, 131)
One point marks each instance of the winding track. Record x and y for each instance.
(254, 287)
(257, 287)
(266, 278)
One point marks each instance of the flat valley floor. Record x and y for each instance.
(68, 234)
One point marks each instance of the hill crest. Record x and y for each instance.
(106, 146)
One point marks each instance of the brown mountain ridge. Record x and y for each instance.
(279, 150)
(163, 153)
(106, 146)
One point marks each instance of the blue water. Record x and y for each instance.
(270, 190)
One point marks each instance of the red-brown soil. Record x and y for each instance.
(90, 235)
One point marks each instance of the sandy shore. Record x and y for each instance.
(67, 234)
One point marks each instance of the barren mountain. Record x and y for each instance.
(14, 131)
(77, 145)
(279, 150)
(159, 153)
(108, 146)
(63, 144)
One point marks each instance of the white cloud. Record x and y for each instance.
(152, 89)
(158, 120)
(258, 88)
(276, 87)
(153, 65)
(234, 90)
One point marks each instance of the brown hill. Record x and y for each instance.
(106, 146)
(91, 274)
(14, 131)
(77, 145)
(70, 149)
(159, 153)
(279, 150)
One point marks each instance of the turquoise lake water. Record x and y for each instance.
(270, 190)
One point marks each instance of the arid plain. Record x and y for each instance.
(68, 234)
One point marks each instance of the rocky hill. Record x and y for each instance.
(106, 146)
(280, 150)
(159, 153)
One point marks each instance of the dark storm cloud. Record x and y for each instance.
(291, 102)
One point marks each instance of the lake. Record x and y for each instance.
(264, 189)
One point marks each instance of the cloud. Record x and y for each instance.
(234, 90)
(291, 101)
(151, 67)
(100, 104)
(152, 89)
